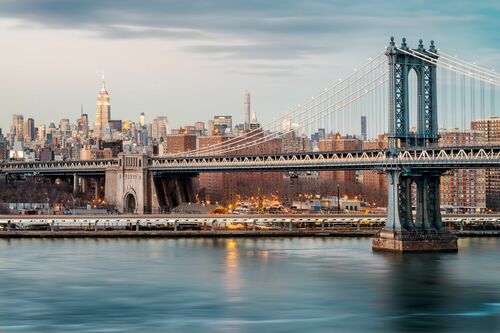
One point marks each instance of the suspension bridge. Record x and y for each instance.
(398, 88)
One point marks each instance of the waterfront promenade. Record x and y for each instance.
(178, 226)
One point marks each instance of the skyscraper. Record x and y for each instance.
(246, 109)
(17, 129)
(103, 111)
(29, 130)
(159, 128)
(363, 128)
(42, 132)
(65, 126)
(85, 126)
(142, 119)
(224, 124)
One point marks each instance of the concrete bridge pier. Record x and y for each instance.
(173, 189)
(404, 234)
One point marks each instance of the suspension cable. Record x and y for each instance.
(298, 111)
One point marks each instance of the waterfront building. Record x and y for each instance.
(490, 127)
(374, 181)
(337, 142)
(463, 190)
(216, 186)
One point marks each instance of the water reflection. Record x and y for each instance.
(245, 285)
(424, 295)
(417, 290)
(232, 280)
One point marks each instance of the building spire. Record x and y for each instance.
(254, 118)
(103, 84)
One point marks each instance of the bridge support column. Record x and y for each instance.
(84, 184)
(75, 183)
(400, 233)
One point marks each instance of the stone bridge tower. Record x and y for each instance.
(127, 184)
(134, 189)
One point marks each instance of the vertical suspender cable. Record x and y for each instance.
(492, 102)
(472, 99)
(462, 95)
(445, 107)
(481, 85)
(454, 100)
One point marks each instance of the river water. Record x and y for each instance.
(245, 285)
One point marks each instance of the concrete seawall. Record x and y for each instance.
(208, 234)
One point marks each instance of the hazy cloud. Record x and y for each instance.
(268, 29)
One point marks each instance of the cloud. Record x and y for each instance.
(258, 29)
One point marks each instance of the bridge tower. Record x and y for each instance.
(404, 232)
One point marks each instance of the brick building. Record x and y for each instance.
(375, 181)
(335, 142)
(490, 127)
(224, 187)
(463, 190)
(178, 143)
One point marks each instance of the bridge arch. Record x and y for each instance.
(130, 202)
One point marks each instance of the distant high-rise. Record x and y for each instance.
(17, 129)
(29, 129)
(223, 124)
(321, 133)
(254, 124)
(199, 126)
(85, 125)
(142, 119)
(246, 109)
(363, 128)
(42, 132)
(159, 129)
(103, 111)
(64, 126)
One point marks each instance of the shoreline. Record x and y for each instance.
(212, 234)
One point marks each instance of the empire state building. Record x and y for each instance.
(103, 112)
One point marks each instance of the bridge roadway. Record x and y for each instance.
(223, 221)
(426, 158)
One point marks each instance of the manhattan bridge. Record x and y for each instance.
(406, 91)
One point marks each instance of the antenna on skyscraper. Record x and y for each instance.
(103, 86)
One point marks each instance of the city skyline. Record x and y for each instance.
(170, 59)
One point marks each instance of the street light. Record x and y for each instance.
(338, 199)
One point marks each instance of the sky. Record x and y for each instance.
(191, 60)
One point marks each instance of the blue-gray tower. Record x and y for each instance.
(402, 61)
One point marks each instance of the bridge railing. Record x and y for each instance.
(378, 159)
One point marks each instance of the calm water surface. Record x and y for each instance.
(245, 285)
